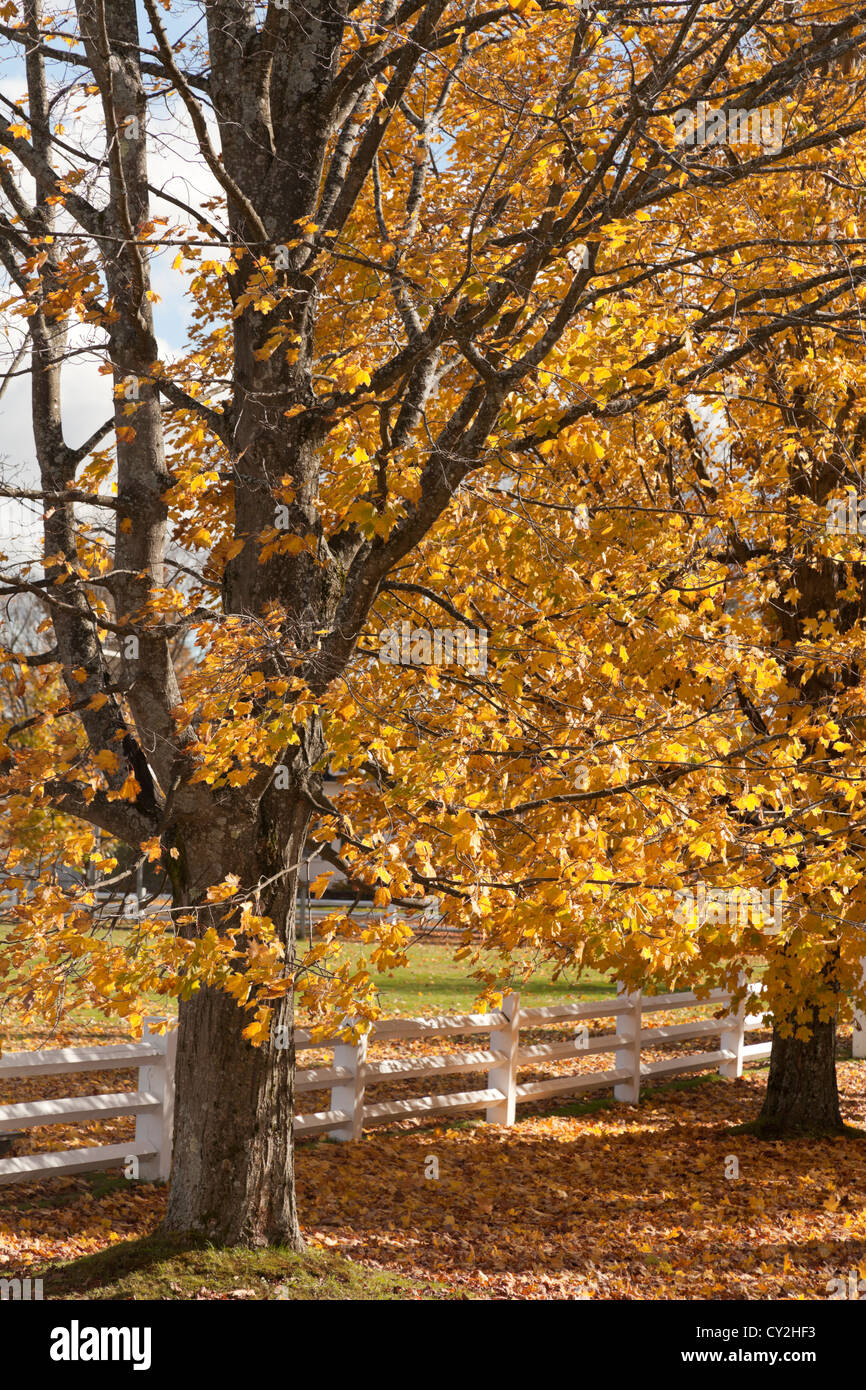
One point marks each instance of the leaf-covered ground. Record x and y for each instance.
(595, 1200)
(608, 1203)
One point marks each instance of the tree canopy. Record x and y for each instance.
(521, 379)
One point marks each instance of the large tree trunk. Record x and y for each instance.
(233, 1157)
(233, 1161)
(802, 1095)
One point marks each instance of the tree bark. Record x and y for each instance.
(802, 1095)
(233, 1154)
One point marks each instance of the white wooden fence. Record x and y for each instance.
(501, 1057)
(152, 1104)
(352, 1072)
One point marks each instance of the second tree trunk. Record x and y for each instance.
(802, 1094)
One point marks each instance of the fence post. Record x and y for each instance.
(155, 1128)
(858, 1029)
(503, 1076)
(628, 1057)
(349, 1095)
(733, 1039)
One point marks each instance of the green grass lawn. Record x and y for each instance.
(166, 1268)
(435, 982)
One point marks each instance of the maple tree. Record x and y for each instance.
(796, 585)
(459, 282)
(781, 583)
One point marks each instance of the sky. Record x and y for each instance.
(86, 395)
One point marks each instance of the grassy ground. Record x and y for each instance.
(159, 1267)
(436, 983)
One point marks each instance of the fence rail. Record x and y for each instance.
(152, 1104)
(500, 1057)
(349, 1113)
